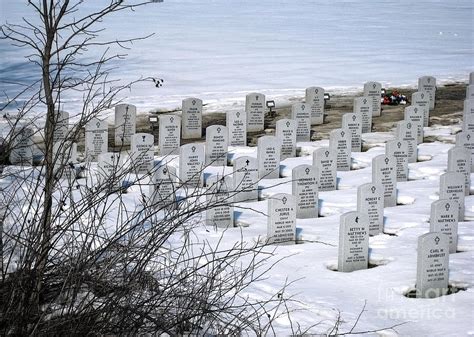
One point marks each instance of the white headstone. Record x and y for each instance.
(191, 164)
(142, 153)
(353, 122)
(353, 242)
(255, 109)
(384, 172)
(340, 143)
(451, 187)
(428, 84)
(468, 115)
(286, 133)
(169, 139)
(220, 210)
(65, 154)
(370, 198)
(237, 125)
(422, 100)
(96, 138)
(217, 141)
(466, 139)
(314, 98)
(432, 272)
(21, 148)
(399, 149)
(325, 160)
(245, 176)
(281, 227)
(110, 170)
(470, 91)
(125, 123)
(415, 115)
(191, 118)
(459, 160)
(471, 77)
(301, 113)
(305, 189)
(468, 107)
(268, 154)
(163, 187)
(61, 126)
(408, 132)
(444, 219)
(374, 90)
(363, 106)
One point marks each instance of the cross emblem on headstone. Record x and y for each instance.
(194, 102)
(354, 118)
(193, 149)
(316, 91)
(422, 95)
(326, 153)
(126, 110)
(97, 124)
(237, 114)
(256, 97)
(468, 137)
(408, 125)
(303, 106)
(399, 144)
(386, 160)
(447, 206)
(428, 79)
(357, 219)
(342, 133)
(171, 119)
(288, 124)
(374, 85)
(165, 171)
(218, 130)
(247, 162)
(112, 157)
(365, 100)
(143, 138)
(416, 110)
(284, 200)
(437, 239)
(373, 189)
(307, 170)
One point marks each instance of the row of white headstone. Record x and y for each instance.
(355, 227)
(307, 180)
(170, 129)
(311, 112)
(433, 247)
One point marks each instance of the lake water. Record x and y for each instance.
(220, 50)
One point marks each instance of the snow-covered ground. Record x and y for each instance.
(322, 292)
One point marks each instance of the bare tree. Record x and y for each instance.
(76, 259)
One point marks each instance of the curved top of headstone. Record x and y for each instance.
(193, 101)
(324, 152)
(372, 85)
(284, 198)
(435, 239)
(123, 106)
(255, 95)
(268, 140)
